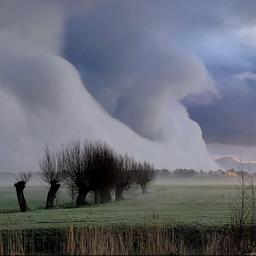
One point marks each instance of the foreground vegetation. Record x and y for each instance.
(127, 240)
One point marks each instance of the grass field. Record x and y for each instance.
(188, 204)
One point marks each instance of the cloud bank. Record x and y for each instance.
(43, 100)
(237, 105)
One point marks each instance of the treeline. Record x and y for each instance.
(188, 173)
(88, 167)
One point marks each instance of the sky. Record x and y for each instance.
(221, 35)
(170, 82)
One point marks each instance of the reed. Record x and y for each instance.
(125, 240)
(94, 241)
(128, 241)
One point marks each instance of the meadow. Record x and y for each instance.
(192, 203)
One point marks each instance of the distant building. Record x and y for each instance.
(231, 173)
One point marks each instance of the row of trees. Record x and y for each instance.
(89, 167)
(187, 173)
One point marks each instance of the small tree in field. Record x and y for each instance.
(20, 186)
(124, 175)
(143, 175)
(52, 172)
(243, 208)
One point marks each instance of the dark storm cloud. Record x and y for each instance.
(126, 55)
(222, 34)
(44, 102)
(230, 118)
(139, 59)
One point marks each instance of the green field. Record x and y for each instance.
(195, 204)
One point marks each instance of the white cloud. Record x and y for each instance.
(245, 76)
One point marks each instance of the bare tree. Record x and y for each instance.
(52, 172)
(143, 175)
(73, 192)
(77, 170)
(243, 207)
(93, 166)
(243, 211)
(20, 186)
(102, 170)
(123, 177)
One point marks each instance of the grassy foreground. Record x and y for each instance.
(184, 204)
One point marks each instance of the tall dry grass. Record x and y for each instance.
(128, 241)
(12, 243)
(31, 242)
(96, 241)
(124, 241)
(227, 244)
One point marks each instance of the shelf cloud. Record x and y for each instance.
(115, 78)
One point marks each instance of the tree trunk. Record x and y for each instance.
(119, 193)
(96, 196)
(144, 188)
(105, 196)
(81, 197)
(52, 194)
(20, 195)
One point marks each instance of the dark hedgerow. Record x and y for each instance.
(92, 166)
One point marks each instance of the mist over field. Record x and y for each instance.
(7, 179)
